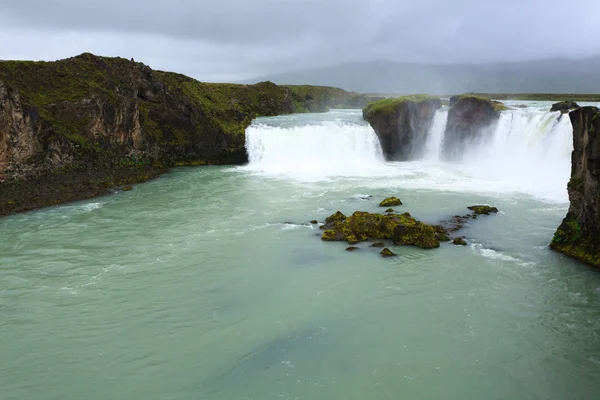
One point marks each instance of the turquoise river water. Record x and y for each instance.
(209, 283)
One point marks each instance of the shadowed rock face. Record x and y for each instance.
(564, 106)
(469, 119)
(579, 234)
(402, 124)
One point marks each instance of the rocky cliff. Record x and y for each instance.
(73, 128)
(469, 118)
(402, 124)
(579, 234)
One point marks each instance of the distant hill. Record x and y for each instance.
(539, 76)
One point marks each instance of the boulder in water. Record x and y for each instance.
(352, 248)
(390, 202)
(579, 234)
(564, 106)
(314, 222)
(483, 210)
(378, 244)
(402, 124)
(459, 242)
(363, 226)
(469, 119)
(387, 253)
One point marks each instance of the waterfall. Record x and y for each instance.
(327, 147)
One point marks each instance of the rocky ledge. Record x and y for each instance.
(75, 128)
(579, 234)
(469, 119)
(401, 124)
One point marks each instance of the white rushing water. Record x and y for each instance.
(331, 148)
(528, 152)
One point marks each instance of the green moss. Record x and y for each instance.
(390, 202)
(570, 240)
(364, 226)
(390, 105)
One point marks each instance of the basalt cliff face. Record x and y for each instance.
(469, 117)
(72, 129)
(402, 124)
(579, 234)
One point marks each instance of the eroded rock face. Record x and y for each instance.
(579, 234)
(470, 119)
(564, 106)
(402, 124)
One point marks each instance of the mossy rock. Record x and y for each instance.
(352, 248)
(390, 106)
(390, 202)
(482, 210)
(338, 216)
(378, 245)
(459, 242)
(441, 233)
(387, 253)
(314, 222)
(390, 210)
(363, 226)
(127, 188)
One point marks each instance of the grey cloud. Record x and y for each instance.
(236, 39)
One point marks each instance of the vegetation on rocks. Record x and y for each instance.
(361, 226)
(390, 202)
(387, 253)
(578, 236)
(401, 124)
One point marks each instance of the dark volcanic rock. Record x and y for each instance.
(387, 253)
(470, 118)
(402, 124)
(459, 242)
(564, 106)
(579, 234)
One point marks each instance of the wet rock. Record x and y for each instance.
(390, 210)
(564, 106)
(578, 236)
(387, 253)
(470, 119)
(352, 248)
(378, 244)
(361, 226)
(314, 222)
(338, 216)
(127, 188)
(441, 233)
(390, 202)
(402, 124)
(459, 242)
(482, 210)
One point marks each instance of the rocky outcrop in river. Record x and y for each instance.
(402, 124)
(579, 234)
(470, 118)
(74, 128)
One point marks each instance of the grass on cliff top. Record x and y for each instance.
(498, 106)
(387, 106)
(554, 97)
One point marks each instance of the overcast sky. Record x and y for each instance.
(226, 40)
